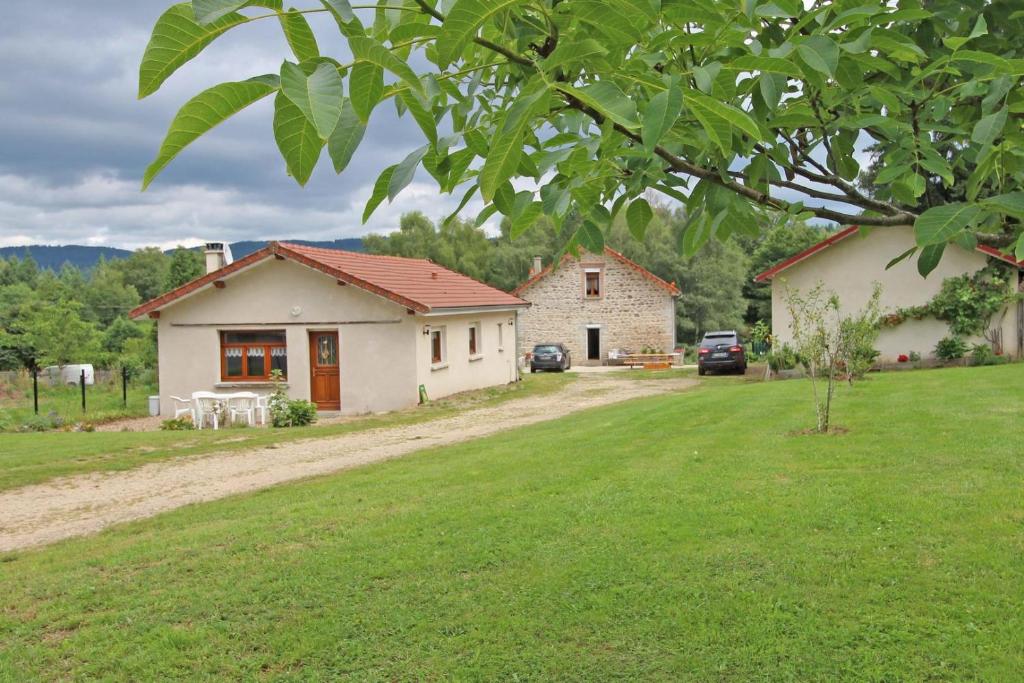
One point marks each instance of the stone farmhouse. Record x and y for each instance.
(348, 331)
(597, 304)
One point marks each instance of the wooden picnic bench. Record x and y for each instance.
(648, 361)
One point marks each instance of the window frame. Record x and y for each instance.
(442, 345)
(475, 340)
(599, 273)
(245, 346)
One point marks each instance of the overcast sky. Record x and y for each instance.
(74, 140)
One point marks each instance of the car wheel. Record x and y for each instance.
(701, 371)
(532, 369)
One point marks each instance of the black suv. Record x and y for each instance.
(721, 351)
(550, 357)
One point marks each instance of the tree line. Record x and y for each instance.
(76, 315)
(716, 283)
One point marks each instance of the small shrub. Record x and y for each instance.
(782, 358)
(36, 423)
(982, 354)
(950, 348)
(179, 424)
(286, 412)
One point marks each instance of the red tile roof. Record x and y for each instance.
(664, 284)
(842, 235)
(417, 284)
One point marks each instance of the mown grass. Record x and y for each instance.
(684, 537)
(103, 402)
(32, 458)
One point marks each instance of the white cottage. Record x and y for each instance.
(850, 261)
(349, 331)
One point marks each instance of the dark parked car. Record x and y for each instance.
(721, 351)
(550, 357)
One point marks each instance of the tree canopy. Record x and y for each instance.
(723, 105)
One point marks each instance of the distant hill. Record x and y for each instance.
(84, 257)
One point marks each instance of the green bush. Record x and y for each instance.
(286, 412)
(782, 358)
(42, 423)
(982, 354)
(180, 424)
(950, 348)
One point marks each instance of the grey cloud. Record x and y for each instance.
(75, 140)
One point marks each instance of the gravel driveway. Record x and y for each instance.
(74, 506)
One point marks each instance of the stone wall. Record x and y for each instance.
(632, 312)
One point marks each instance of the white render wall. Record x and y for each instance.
(493, 365)
(851, 266)
(632, 312)
(382, 359)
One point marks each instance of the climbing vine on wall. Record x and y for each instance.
(967, 302)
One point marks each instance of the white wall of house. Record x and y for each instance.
(851, 266)
(493, 364)
(631, 313)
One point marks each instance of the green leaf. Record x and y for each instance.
(346, 136)
(939, 224)
(420, 113)
(507, 147)
(365, 86)
(342, 8)
(719, 120)
(902, 257)
(461, 24)
(299, 35)
(1018, 251)
(209, 11)
(405, 171)
(525, 219)
(369, 50)
(988, 128)
(591, 237)
(1011, 204)
(319, 95)
(380, 191)
(820, 53)
(176, 39)
(638, 215)
(572, 51)
(607, 99)
(203, 112)
(297, 139)
(661, 113)
(929, 258)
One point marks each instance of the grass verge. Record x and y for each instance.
(35, 457)
(683, 537)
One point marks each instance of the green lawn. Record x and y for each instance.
(34, 457)
(680, 537)
(103, 402)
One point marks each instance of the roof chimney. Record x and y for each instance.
(538, 266)
(218, 255)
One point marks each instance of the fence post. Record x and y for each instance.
(81, 381)
(35, 389)
(124, 386)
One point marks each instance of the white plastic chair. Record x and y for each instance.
(263, 408)
(207, 406)
(183, 406)
(242, 405)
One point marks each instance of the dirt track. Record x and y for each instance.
(74, 506)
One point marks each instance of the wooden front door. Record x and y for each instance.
(325, 383)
